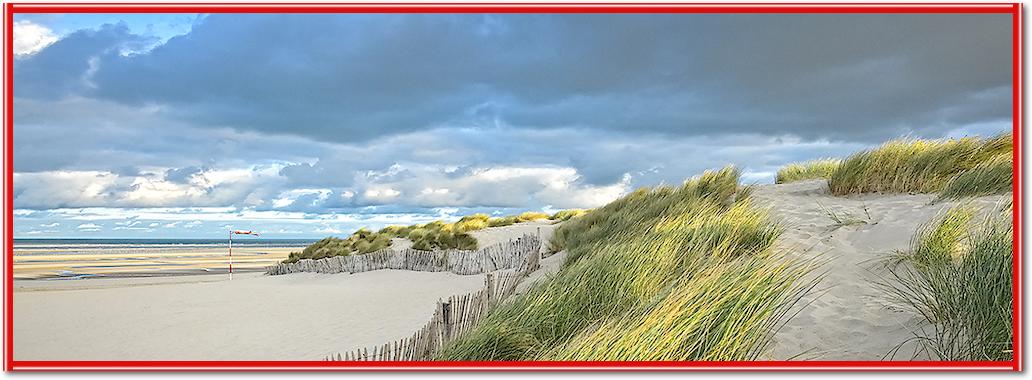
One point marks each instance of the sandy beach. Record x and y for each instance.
(254, 317)
(303, 316)
(847, 317)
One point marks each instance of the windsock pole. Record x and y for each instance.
(231, 233)
(231, 255)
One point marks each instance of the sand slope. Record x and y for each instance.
(495, 235)
(849, 318)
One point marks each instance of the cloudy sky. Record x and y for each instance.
(183, 125)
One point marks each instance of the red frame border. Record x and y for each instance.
(1017, 86)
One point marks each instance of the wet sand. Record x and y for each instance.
(146, 262)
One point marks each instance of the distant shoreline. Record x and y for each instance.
(85, 261)
(142, 274)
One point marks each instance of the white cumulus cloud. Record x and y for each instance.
(89, 227)
(30, 38)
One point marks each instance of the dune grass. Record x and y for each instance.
(685, 273)
(843, 218)
(821, 168)
(441, 235)
(472, 222)
(919, 166)
(564, 215)
(993, 176)
(502, 221)
(957, 276)
(429, 236)
(361, 242)
(531, 216)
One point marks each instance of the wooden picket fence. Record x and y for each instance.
(451, 319)
(506, 255)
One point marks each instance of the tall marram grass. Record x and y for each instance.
(822, 168)
(685, 273)
(921, 166)
(957, 277)
(565, 215)
(441, 235)
(993, 176)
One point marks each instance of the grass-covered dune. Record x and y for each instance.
(429, 236)
(953, 168)
(958, 277)
(361, 242)
(920, 166)
(821, 168)
(670, 273)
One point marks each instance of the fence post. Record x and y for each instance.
(536, 259)
(446, 317)
(490, 288)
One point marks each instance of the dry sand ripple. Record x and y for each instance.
(847, 317)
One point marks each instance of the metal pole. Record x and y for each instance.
(231, 255)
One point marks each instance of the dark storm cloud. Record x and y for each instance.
(340, 121)
(66, 67)
(352, 78)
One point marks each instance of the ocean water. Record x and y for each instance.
(114, 246)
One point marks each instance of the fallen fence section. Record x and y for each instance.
(508, 255)
(452, 318)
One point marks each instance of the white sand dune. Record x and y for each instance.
(301, 316)
(847, 317)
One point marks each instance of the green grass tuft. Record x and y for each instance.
(441, 235)
(822, 168)
(565, 215)
(844, 218)
(502, 221)
(990, 177)
(530, 216)
(958, 277)
(472, 223)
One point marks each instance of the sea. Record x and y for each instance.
(116, 246)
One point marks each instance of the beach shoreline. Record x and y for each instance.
(143, 262)
(301, 316)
